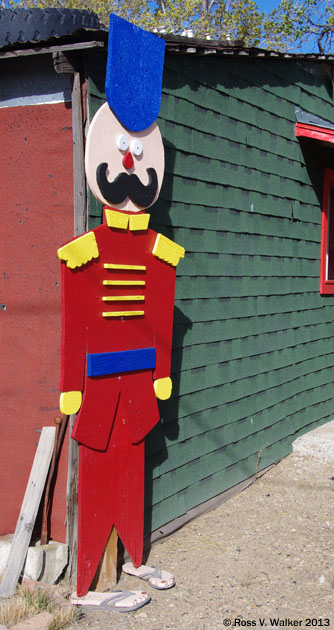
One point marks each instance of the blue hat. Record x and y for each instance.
(134, 74)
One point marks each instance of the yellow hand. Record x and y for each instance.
(70, 402)
(163, 388)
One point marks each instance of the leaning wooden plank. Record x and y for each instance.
(28, 513)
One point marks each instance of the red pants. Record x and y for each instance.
(111, 481)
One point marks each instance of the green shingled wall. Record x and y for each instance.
(253, 338)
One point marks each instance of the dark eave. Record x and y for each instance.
(60, 47)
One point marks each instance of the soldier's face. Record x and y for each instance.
(124, 169)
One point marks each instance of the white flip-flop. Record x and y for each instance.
(123, 601)
(153, 575)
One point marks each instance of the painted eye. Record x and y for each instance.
(122, 143)
(136, 147)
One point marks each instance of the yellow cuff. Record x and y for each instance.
(163, 388)
(70, 402)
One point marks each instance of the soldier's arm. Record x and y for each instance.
(74, 255)
(169, 254)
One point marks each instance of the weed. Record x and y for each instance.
(26, 603)
(13, 611)
(259, 453)
(62, 618)
(38, 599)
(248, 580)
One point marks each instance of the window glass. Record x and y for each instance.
(327, 236)
(330, 236)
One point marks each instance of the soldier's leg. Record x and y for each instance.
(95, 518)
(128, 487)
(111, 492)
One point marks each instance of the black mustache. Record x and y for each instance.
(125, 185)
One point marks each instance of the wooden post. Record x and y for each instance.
(72, 506)
(80, 225)
(28, 513)
(79, 180)
(106, 576)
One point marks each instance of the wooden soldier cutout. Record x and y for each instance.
(118, 299)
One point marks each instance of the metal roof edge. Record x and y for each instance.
(179, 44)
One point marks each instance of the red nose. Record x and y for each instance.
(128, 160)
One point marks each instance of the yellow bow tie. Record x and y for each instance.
(122, 221)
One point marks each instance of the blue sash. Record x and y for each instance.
(105, 363)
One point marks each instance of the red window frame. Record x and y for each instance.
(327, 236)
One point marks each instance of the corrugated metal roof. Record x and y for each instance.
(22, 26)
(88, 31)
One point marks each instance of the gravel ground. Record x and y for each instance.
(264, 555)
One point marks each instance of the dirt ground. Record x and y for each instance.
(263, 558)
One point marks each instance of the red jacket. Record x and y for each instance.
(117, 295)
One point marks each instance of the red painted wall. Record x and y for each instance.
(36, 215)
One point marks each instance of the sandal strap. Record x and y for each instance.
(119, 595)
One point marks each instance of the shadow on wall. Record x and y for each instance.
(318, 155)
(167, 430)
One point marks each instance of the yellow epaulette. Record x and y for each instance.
(80, 251)
(167, 250)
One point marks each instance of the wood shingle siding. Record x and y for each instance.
(253, 339)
